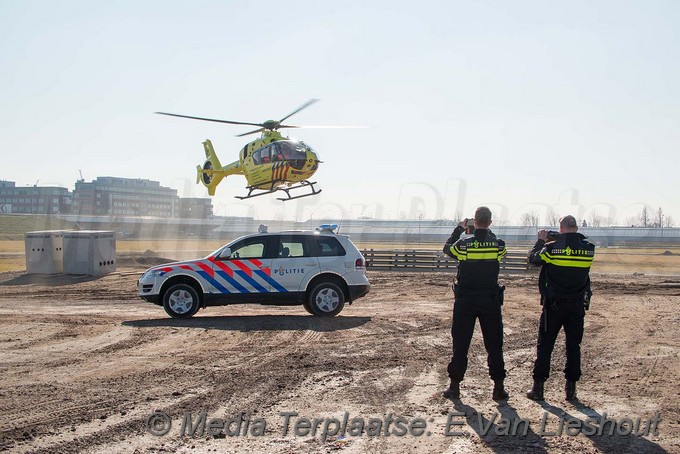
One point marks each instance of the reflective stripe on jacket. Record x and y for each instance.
(566, 265)
(479, 259)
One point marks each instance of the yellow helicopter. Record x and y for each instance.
(270, 163)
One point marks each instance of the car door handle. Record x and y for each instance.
(311, 264)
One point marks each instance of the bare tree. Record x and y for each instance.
(659, 218)
(552, 218)
(595, 219)
(644, 218)
(632, 221)
(529, 219)
(668, 221)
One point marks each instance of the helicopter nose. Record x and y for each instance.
(315, 156)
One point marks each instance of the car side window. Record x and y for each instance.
(292, 246)
(250, 248)
(327, 246)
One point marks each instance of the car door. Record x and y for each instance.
(294, 263)
(332, 255)
(245, 270)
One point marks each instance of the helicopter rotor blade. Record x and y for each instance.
(304, 106)
(210, 119)
(251, 132)
(323, 127)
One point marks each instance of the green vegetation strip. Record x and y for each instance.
(13, 226)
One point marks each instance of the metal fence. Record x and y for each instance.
(429, 260)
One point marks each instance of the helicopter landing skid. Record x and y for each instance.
(287, 190)
(301, 185)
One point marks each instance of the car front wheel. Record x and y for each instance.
(181, 301)
(326, 299)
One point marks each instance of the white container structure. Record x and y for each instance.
(44, 252)
(90, 252)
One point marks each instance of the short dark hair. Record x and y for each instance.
(483, 216)
(568, 222)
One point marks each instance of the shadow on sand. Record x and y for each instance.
(489, 429)
(606, 442)
(50, 280)
(245, 323)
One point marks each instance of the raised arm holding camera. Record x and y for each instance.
(564, 285)
(477, 296)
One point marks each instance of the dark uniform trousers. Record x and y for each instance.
(560, 313)
(465, 312)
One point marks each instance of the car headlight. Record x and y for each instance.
(151, 273)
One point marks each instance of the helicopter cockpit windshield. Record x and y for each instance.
(293, 152)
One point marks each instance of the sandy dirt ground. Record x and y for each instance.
(84, 363)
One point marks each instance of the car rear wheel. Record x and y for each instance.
(326, 300)
(181, 301)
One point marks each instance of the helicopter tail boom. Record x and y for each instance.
(212, 172)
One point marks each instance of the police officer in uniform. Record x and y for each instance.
(564, 284)
(477, 296)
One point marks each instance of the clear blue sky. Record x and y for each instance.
(520, 105)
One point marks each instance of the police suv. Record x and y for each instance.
(320, 270)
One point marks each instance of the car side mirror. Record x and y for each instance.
(225, 254)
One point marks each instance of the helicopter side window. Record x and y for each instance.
(256, 158)
(286, 150)
(276, 152)
(265, 155)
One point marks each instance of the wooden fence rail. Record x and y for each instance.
(430, 260)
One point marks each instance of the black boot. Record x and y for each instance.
(453, 391)
(499, 392)
(570, 390)
(536, 392)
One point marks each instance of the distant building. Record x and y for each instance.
(104, 196)
(195, 208)
(124, 197)
(34, 199)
